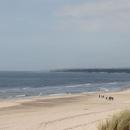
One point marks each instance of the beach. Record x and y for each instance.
(63, 112)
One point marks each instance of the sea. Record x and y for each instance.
(38, 83)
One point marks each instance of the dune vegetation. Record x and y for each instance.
(119, 121)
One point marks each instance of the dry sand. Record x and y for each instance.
(68, 112)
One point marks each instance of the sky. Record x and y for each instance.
(56, 34)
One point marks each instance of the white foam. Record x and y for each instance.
(40, 94)
(58, 94)
(104, 89)
(21, 95)
(113, 83)
(78, 85)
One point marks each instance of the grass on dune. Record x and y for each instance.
(119, 121)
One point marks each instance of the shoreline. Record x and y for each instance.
(94, 87)
(18, 101)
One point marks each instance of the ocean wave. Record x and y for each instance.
(25, 88)
(40, 94)
(58, 94)
(113, 83)
(23, 95)
(104, 89)
(78, 85)
(89, 92)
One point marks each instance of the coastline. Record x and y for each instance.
(61, 112)
(17, 101)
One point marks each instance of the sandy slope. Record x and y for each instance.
(70, 112)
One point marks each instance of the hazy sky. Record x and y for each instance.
(51, 34)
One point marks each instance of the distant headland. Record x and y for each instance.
(100, 70)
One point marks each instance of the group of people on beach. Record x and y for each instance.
(110, 98)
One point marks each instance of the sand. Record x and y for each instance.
(67, 112)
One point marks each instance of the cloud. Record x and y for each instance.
(100, 15)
